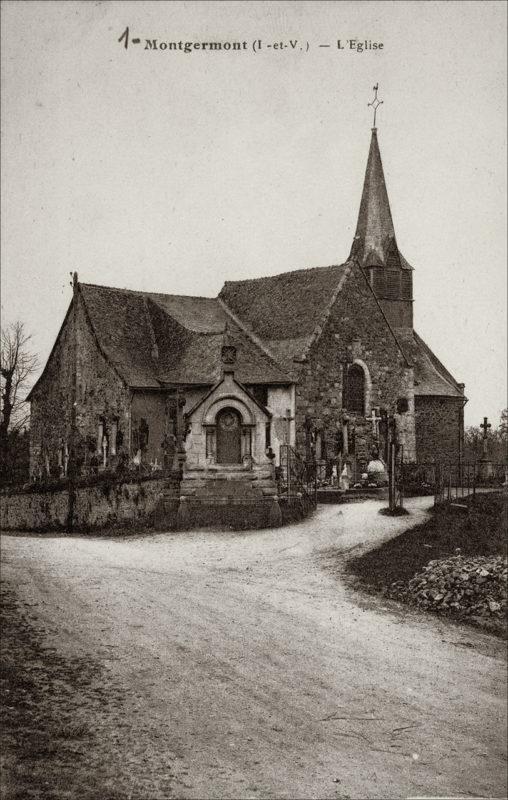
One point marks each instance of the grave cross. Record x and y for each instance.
(485, 425)
(288, 419)
(375, 423)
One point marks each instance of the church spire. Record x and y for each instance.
(374, 243)
(375, 246)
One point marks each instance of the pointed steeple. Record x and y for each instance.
(375, 244)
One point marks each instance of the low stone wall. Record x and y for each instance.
(144, 503)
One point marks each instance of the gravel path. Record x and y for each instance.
(240, 665)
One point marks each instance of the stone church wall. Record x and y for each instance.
(354, 331)
(99, 393)
(439, 428)
(150, 409)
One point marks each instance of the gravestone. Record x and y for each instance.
(485, 467)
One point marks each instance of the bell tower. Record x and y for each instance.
(375, 246)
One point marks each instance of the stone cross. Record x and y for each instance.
(375, 423)
(289, 419)
(485, 425)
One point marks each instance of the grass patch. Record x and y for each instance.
(479, 532)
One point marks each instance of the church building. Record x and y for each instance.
(325, 360)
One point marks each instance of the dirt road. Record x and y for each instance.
(240, 665)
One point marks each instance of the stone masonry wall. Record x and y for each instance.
(106, 503)
(99, 393)
(355, 330)
(439, 428)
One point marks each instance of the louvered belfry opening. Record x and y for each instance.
(392, 291)
(391, 284)
(406, 285)
(377, 281)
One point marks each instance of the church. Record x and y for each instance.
(324, 360)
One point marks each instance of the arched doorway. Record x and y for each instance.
(229, 431)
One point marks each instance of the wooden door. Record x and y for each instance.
(229, 449)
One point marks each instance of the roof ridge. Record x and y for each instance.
(145, 293)
(286, 272)
(318, 330)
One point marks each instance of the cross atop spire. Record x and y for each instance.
(375, 104)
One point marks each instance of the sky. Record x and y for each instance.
(168, 171)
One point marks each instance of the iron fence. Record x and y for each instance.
(296, 476)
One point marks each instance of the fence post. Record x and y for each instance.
(391, 476)
(401, 487)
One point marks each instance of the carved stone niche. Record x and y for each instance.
(228, 354)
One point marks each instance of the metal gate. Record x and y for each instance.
(297, 477)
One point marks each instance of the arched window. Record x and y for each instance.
(355, 390)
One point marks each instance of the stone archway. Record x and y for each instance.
(229, 436)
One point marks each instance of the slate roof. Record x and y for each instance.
(123, 330)
(287, 311)
(285, 307)
(375, 243)
(152, 339)
(431, 376)
(155, 339)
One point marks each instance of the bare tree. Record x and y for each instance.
(17, 364)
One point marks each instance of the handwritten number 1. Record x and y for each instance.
(125, 35)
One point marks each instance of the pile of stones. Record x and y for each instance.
(472, 587)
